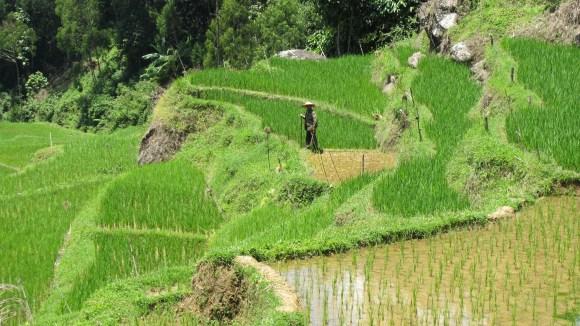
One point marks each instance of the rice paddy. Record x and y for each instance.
(517, 272)
(344, 82)
(283, 117)
(419, 186)
(170, 196)
(550, 127)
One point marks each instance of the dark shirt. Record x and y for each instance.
(310, 120)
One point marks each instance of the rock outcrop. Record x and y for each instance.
(298, 54)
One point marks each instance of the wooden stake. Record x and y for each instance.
(513, 73)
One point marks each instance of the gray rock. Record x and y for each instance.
(415, 59)
(480, 71)
(461, 53)
(298, 54)
(448, 21)
(448, 4)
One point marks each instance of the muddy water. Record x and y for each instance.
(523, 271)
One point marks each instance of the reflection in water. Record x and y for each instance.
(522, 271)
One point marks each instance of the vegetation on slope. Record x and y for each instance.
(550, 127)
(419, 186)
(283, 117)
(343, 82)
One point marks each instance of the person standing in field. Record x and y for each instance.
(310, 125)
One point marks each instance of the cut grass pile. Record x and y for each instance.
(552, 72)
(344, 82)
(283, 117)
(419, 186)
(169, 196)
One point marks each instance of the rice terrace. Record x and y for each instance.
(289, 162)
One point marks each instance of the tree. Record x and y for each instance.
(17, 42)
(281, 26)
(357, 25)
(80, 33)
(232, 37)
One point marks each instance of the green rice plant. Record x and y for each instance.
(32, 229)
(334, 131)
(83, 158)
(272, 224)
(19, 141)
(419, 186)
(552, 72)
(38, 204)
(120, 254)
(344, 82)
(170, 196)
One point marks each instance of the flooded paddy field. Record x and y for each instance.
(523, 271)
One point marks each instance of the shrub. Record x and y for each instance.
(35, 83)
(301, 192)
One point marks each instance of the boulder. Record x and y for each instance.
(460, 52)
(415, 59)
(448, 21)
(298, 54)
(501, 213)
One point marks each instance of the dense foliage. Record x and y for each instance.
(96, 48)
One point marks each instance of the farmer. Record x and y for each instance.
(310, 125)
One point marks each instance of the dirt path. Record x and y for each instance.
(9, 167)
(283, 291)
(336, 166)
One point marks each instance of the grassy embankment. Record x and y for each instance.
(113, 239)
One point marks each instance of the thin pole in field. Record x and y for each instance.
(363, 164)
(512, 74)
(322, 164)
(50, 136)
(334, 165)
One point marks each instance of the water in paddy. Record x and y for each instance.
(523, 271)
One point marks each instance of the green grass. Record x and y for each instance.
(19, 141)
(344, 82)
(169, 196)
(82, 159)
(273, 225)
(419, 186)
(335, 131)
(497, 17)
(38, 205)
(32, 229)
(552, 72)
(120, 254)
